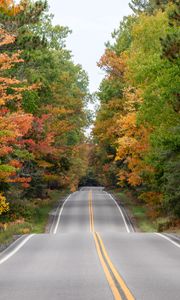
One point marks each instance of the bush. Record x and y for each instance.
(19, 209)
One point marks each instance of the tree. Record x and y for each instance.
(139, 108)
(14, 123)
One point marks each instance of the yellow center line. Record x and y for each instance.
(106, 271)
(91, 214)
(119, 279)
(106, 261)
(103, 263)
(90, 222)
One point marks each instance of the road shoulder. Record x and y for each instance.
(134, 212)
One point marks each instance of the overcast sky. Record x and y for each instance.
(92, 22)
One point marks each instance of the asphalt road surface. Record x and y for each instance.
(91, 253)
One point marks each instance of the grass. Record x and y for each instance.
(7, 236)
(40, 218)
(37, 221)
(138, 212)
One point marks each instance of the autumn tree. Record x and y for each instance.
(14, 122)
(42, 85)
(139, 113)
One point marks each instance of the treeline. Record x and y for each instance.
(137, 129)
(43, 100)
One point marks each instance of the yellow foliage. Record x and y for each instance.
(25, 230)
(4, 206)
(51, 177)
(153, 201)
(44, 164)
(132, 145)
(122, 176)
(132, 98)
(151, 197)
(10, 8)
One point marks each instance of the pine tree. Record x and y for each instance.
(171, 44)
(27, 13)
(139, 6)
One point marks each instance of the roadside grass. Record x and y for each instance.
(138, 212)
(13, 232)
(36, 222)
(40, 218)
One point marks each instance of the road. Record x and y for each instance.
(91, 253)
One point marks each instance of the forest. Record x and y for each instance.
(43, 109)
(44, 112)
(137, 128)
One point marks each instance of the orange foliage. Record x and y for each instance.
(153, 201)
(13, 125)
(21, 121)
(5, 150)
(6, 63)
(132, 145)
(10, 8)
(113, 64)
(106, 167)
(24, 181)
(15, 163)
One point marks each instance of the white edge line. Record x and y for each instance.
(168, 239)
(59, 216)
(16, 249)
(130, 224)
(51, 229)
(126, 225)
(52, 225)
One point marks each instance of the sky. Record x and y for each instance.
(92, 23)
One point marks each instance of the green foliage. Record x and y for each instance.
(171, 43)
(20, 209)
(139, 6)
(138, 115)
(6, 168)
(15, 230)
(123, 35)
(24, 155)
(137, 210)
(45, 144)
(30, 102)
(148, 6)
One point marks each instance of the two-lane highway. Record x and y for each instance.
(91, 253)
(75, 216)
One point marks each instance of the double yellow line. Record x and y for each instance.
(91, 215)
(113, 277)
